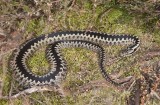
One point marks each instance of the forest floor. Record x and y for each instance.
(84, 85)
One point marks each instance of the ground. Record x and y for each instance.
(22, 20)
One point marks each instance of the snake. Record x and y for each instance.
(56, 41)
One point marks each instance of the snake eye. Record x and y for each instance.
(126, 52)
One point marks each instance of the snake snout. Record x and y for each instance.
(126, 52)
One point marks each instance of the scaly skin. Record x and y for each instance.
(89, 40)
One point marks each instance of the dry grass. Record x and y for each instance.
(22, 20)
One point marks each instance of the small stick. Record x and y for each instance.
(29, 91)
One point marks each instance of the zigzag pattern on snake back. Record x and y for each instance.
(60, 40)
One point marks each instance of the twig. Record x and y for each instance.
(131, 86)
(11, 89)
(92, 100)
(71, 3)
(3, 76)
(29, 91)
(134, 98)
(100, 83)
(153, 93)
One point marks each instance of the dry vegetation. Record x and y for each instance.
(21, 20)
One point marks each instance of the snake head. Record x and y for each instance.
(127, 52)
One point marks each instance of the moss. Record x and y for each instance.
(113, 15)
(7, 84)
(3, 102)
(17, 101)
(104, 16)
(35, 26)
(49, 98)
(157, 37)
(78, 22)
(38, 62)
(88, 5)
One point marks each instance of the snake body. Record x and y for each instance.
(60, 40)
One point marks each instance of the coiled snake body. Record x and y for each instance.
(59, 40)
